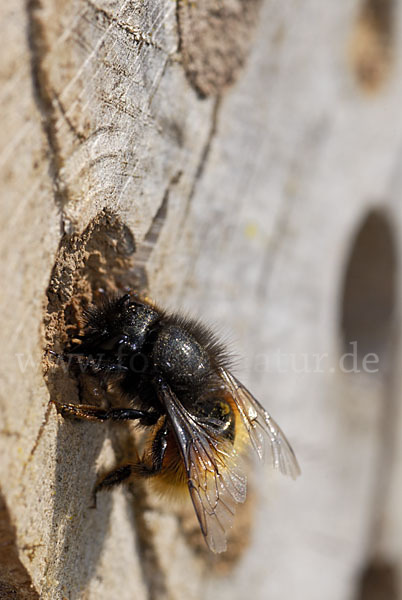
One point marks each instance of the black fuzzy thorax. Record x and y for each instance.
(151, 344)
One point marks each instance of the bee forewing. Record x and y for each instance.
(216, 485)
(215, 474)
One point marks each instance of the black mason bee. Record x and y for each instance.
(201, 419)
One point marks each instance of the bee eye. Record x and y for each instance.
(113, 343)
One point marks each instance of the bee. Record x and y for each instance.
(173, 374)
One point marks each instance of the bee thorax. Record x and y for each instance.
(180, 357)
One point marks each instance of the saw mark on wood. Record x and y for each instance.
(120, 106)
(77, 134)
(139, 36)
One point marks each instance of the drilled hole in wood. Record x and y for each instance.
(372, 43)
(379, 581)
(368, 299)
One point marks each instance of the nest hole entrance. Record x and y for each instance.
(378, 581)
(372, 44)
(90, 265)
(369, 296)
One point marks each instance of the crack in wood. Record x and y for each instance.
(45, 421)
(158, 81)
(44, 98)
(204, 157)
(208, 144)
(198, 174)
(151, 237)
(305, 158)
(273, 246)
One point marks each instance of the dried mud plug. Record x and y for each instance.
(215, 37)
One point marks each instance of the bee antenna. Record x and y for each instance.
(55, 354)
(124, 299)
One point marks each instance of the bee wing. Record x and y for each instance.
(261, 427)
(215, 478)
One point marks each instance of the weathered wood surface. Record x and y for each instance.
(244, 186)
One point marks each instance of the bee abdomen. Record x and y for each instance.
(172, 480)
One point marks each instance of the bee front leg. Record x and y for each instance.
(96, 413)
(97, 365)
(142, 468)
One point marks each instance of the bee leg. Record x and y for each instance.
(96, 413)
(111, 479)
(95, 365)
(142, 468)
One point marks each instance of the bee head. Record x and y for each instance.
(118, 325)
